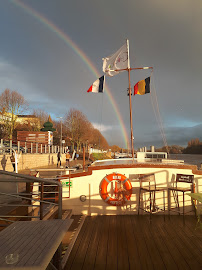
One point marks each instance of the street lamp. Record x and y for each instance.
(60, 134)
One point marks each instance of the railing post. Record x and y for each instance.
(31, 148)
(45, 149)
(69, 181)
(36, 148)
(41, 148)
(84, 158)
(29, 191)
(18, 147)
(10, 146)
(41, 203)
(60, 202)
(25, 147)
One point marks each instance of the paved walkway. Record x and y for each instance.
(52, 174)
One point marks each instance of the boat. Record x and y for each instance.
(112, 186)
(110, 190)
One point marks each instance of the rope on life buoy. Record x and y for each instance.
(122, 192)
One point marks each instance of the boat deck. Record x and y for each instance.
(132, 242)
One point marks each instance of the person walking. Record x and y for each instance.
(58, 159)
(12, 158)
(67, 158)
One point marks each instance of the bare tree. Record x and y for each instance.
(77, 126)
(98, 140)
(11, 104)
(42, 115)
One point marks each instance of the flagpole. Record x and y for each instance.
(130, 103)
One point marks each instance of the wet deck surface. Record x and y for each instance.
(132, 242)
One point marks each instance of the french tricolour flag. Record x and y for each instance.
(97, 86)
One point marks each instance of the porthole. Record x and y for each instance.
(83, 198)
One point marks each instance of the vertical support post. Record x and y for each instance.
(18, 147)
(41, 148)
(37, 148)
(45, 149)
(41, 203)
(130, 103)
(10, 146)
(84, 158)
(28, 191)
(25, 147)
(31, 148)
(69, 181)
(60, 201)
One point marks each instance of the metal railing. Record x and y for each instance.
(30, 193)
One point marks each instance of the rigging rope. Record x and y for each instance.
(155, 106)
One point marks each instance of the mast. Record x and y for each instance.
(130, 103)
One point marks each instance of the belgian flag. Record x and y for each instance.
(142, 87)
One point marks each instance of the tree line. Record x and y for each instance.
(77, 130)
(194, 146)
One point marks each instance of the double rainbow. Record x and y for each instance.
(63, 36)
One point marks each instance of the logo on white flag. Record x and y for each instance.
(119, 60)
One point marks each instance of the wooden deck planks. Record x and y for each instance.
(78, 243)
(145, 259)
(153, 249)
(101, 256)
(166, 230)
(193, 255)
(93, 245)
(163, 250)
(133, 253)
(112, 249)
(132, 242)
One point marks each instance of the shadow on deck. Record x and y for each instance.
(131, 242)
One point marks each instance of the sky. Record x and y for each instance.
(51, 52)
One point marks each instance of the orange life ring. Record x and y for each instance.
(121, 193)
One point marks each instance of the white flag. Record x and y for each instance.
(119, 60)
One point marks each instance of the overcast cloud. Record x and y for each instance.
(43, 67)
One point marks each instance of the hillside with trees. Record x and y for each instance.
(172, 149)
(194, 147)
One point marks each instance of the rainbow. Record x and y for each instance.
(63, 36)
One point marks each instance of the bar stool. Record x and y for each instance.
(188, 186)
(150, 189)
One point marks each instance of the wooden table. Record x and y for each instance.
(33, 243)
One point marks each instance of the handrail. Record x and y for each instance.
(32, 196)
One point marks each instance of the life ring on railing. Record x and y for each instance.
(120, 194)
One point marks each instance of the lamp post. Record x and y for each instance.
(60, 134)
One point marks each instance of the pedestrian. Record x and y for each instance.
(67, 158)
(58, 159)
(12, 158)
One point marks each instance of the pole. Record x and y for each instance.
(61, 138)
(130, 103)
(131, 118)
